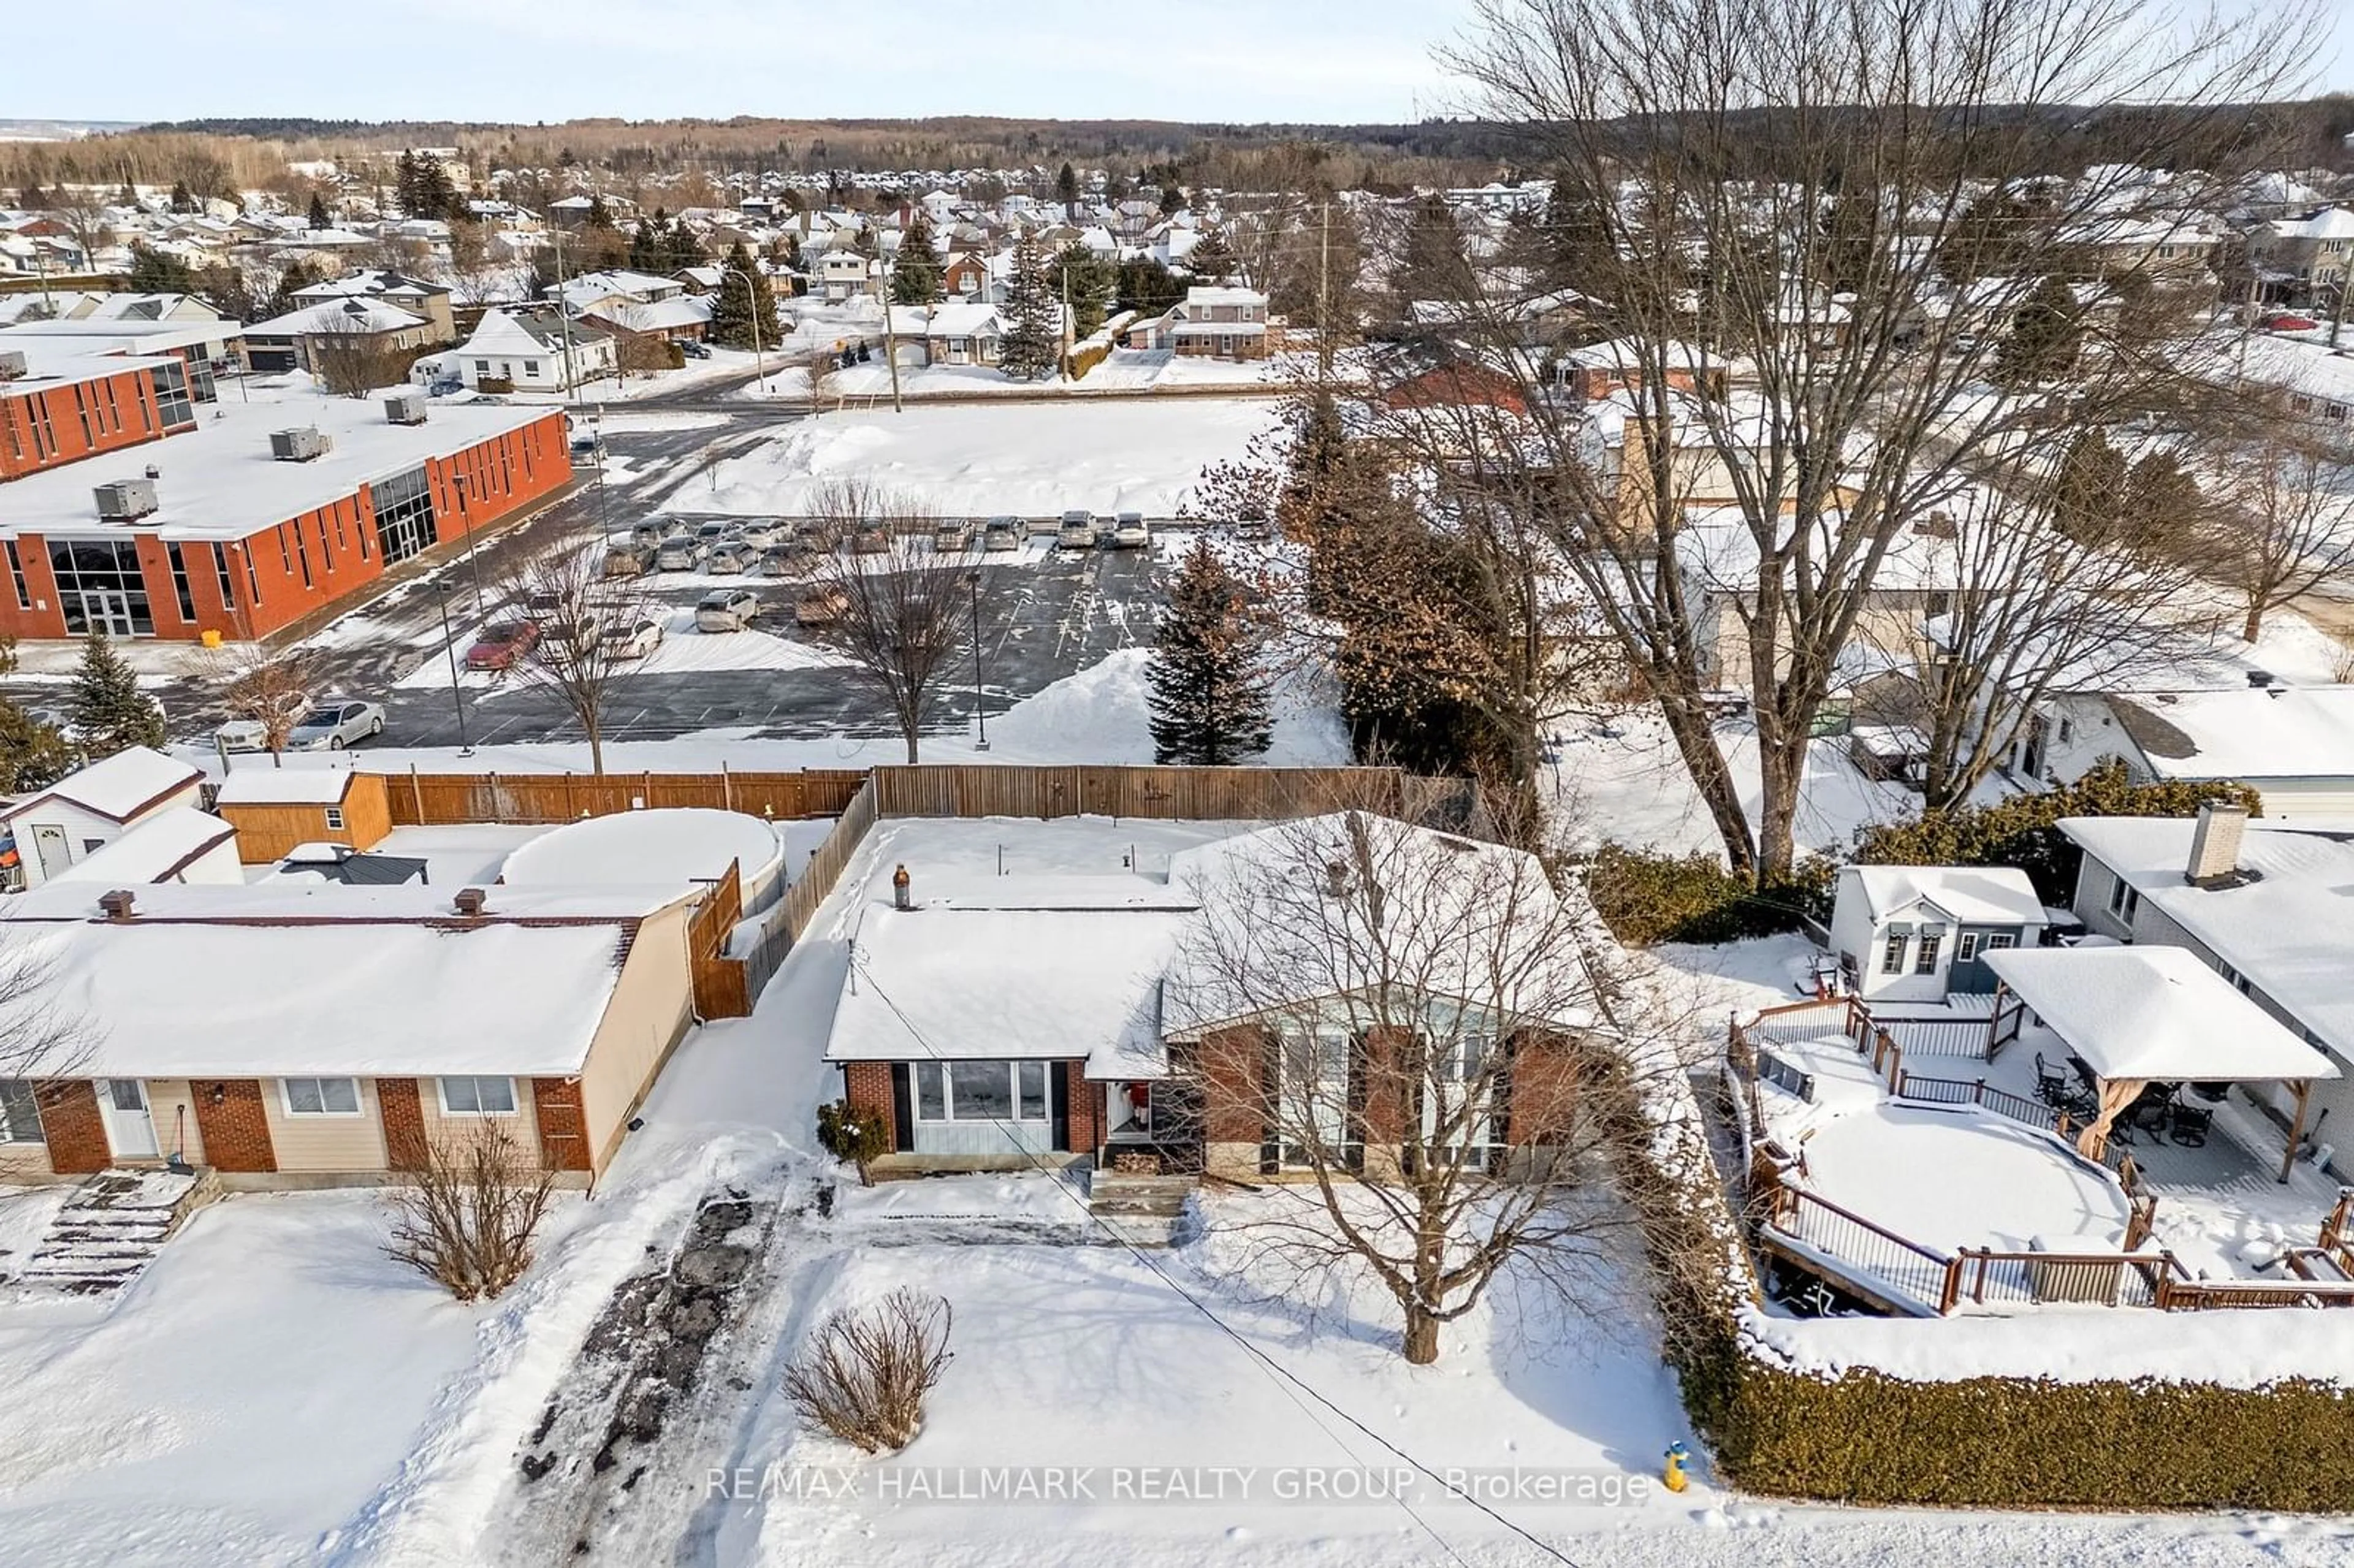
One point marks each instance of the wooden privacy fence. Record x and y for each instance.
(440, 799)
(1184, 794)
(720, 989)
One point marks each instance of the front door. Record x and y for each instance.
(50, 847)
(108, 610)
(1970, 972)
(130, 1130)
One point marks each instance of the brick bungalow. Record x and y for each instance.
(302, 1034)
(1018, 1021)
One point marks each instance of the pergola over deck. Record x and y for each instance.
(2136, 1015)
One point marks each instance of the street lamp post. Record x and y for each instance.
(752, 302)
(979, 701)
(450, 646)
(473, 559)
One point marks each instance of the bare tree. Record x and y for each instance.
(642, 352)
(823, 371)
(2285, 519)
(865, 1373)
(40, 1038)
(268, 687)
(471, 1213)
(587, 624)
(903, 608)
(1811, 223)
(1442, 1044)
(355, 363)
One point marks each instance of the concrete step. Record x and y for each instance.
(112, 1227)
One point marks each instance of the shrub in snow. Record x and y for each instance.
(1645, 896)
(469, 1218)
(850, 1133)
(865, 1373)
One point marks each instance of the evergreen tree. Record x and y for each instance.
(1213, 260)
(1032, 312)
(915, 273)
(1172, 200)
(599, 215)
(2045, 337)
(299, 273)
(319, 212)
(1435, 264)
(1208, 683)
(1146, 285)
(1066, 189)
(33, 756)
(736, 307)
(181, 201)
(650, 246)
(1087, 282)
(154, 272)
(108, 709)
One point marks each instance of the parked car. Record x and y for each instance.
(631, 559)
(588, 445)
(760, 532)
(1077, 531)
(818, 533)
(681, 552)
(444, 386)
(501, 643)
(873, 537)
(822, 605)
(1005, 533)
(786, 560)
(654, 530)
(952, 536)
(694, 348)
(237, 734)
(337, 724)
(632, 638)
(713, 532)
(725, 610)
(1128, 532)
(730, 557)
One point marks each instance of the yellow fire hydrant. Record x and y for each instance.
(1675, 1479)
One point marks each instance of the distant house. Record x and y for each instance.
(88, 809)
(1214, 322)
(291, 341)
(679, 317)
(2294, 743)
(415, 295)
(533, 350)
(951, 333)
(1917, 933)
(843, 274)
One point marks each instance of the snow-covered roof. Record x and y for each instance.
(1058, 983)
(118, 788)
(1968, 895)
(157, 849)
(2151, 1011)
(952, 319)
(299, 976)
(524, 334)
(255, 785)
(2288, 930)
(655, 315)
(353, 315)
(678, 844)
(2282, 731)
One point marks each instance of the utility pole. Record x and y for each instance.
(1324, 294)
(890, 340)
(563, 316)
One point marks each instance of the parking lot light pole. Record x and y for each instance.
(979, 701)
(450, 646)
(752, 299)
(473, 560)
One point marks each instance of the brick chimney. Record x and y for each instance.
(2215, 845)
(471, 902)
(118, 903)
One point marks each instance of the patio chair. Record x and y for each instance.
(2188, 1126)
(2051, 1086)
(2148, 1114)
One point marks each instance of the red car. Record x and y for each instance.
(501, 645)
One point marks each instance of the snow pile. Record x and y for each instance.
(1100, 714)
(669, 845)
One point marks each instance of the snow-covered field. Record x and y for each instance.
(1128, 370)
(1032, 461)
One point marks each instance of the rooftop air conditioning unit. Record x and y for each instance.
(405, 408)
(302, 445)
(126, 499)
(12, 364)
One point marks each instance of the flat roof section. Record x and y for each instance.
(220, 482)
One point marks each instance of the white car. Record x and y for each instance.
(243, 735)
(727, 609)
(1128, 532)
(337, 724)
(1077, 531)
(632, 639)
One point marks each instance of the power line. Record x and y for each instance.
(1266, 1363)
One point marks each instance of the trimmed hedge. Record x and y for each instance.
(1645, 896)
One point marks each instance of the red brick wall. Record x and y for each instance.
(1086, 1102)
(867, 1085)
(404, 1123)
(71, 1124)
(133, 409)
(563, 1130)
(1543, 1090)
(1388, 1086)
(1234, 1109)
(235, 1132)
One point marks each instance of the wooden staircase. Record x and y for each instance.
(113, 1225)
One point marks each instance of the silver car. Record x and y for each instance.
(334, 725)
(1128, 532)
(1005, 533)
(681, 552)
(727, 609)
(1077, 531)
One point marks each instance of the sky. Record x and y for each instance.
(1319, 60)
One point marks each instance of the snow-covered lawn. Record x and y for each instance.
(1128, 370)
(1031, 460)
